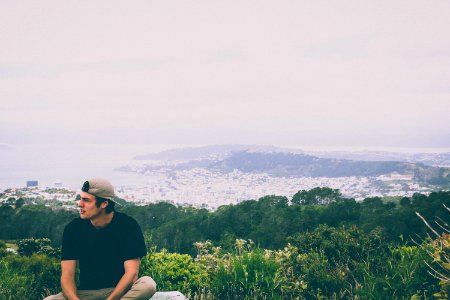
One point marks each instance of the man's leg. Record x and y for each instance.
(142, 289)
(101, 294)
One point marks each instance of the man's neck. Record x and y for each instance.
(102, 220)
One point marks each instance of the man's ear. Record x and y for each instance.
(104, 204)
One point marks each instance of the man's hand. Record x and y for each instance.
(68, 287)
(129, 277)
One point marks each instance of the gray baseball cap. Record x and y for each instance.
(99, 187)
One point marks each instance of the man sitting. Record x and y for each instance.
(107, 245)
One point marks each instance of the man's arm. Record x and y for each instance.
(127, 280)
(69, 289)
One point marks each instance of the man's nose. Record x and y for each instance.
(80, 203)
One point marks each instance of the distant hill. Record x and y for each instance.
(301, 165)
(431, 159)
(195, 153)
(289, 164)
(280, 162)
(222, 151)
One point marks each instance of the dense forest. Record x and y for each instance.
(317, 245)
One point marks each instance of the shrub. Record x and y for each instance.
(33, 277)
(173, 271)
(250, 275)
(246, 274)
(439, 250)
(30, 246)
(346, 263)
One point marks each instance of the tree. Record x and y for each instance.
(405, 202)
(318, 195)
(19, 203)
(346, 211)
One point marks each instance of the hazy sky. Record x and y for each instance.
(271, 72)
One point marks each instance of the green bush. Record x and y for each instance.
(30, 246)
(173, 271)
(346, 263)
(404, 275)
(247, 276)
(12, 286)
(439, 250)
(33, 277)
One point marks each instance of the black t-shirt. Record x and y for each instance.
(102, 252)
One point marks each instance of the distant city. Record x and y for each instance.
(212, 176)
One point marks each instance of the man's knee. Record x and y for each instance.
(149, 285)
(145, 286)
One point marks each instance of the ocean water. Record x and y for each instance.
(71, 164)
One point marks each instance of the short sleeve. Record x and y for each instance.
(70, 249)
(134, 241)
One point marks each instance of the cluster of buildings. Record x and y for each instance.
(204, 188)
(35, 195)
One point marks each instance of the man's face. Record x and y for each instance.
(87, 207)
